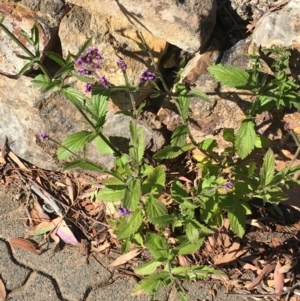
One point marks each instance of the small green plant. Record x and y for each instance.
(224, 183)
(269, 92)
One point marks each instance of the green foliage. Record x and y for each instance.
(223, 182)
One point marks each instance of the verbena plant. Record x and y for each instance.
(224, 182)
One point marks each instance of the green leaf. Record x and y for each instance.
(192, 232)
(162, 221)
(261, 142)
(84, 165)
(268, 168)
(237, 219)
(110, 195)
(113, 182)
(179, 193)
(228, 135)
(132, 193)
(147, 267)
(171, 152)
(102, 147)
(155, 208)
(84, 47)
(155, 182)
(187, 247)
(208, 145)
(199, 94)
(129, 226)
(231, 76)
(182, 103)
(179, 136)
(245, 138)
(152, 283)
(157, 246)
(137, 143)
(98, 106)
(74, 143)
(56, 58)
(75, 96)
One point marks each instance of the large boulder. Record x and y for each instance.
(186, 24)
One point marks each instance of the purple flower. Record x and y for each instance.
(124, 211)
(44, 136)
(228, 185)
(148, 76)
(104, 82)
(122, 65)
(88, 88)
(90, 60)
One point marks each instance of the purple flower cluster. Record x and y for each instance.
(228, 185)
(147, 76)
(124, 211)
(104, 82)
(88, 88)
(89, 61)
(44, 136)
(122, 65)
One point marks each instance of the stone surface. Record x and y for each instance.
(26, 112)
(23, 15)
(281, 27)
(115, 39)
(186, 24)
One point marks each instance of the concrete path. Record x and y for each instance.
(65, 275)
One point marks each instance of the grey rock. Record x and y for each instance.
(23, 15)
(280, 27)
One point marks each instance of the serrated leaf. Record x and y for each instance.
(98, 106)
(152, 283)
(179, 193)
(155, 182)
(110, 195)
(237, 219)
(179, 136)
(130, 225)
(84, 47)
(75, 96)
(187, 247)
(228, 135)
(245, 138)
(192, 232)
(147, 267)
(199, 94)
(113, 182)
(157, 246)
(84, 165)
(268, 168)
(182, 103)
(162, 221)
(208, 145)
(231, 76)
(132, 194)
(56, 58)
(155, 208)
(171, 152)
(102, 146)
(137, 143)
(74, 143)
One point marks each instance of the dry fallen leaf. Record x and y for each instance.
(265, 272)
(100, 248)
(232, 254)
(125, 257)
(2, 291)
(257, 223)
(287, 267)
(248, 266)
(182, 261)
(279, 279)
(25, 244)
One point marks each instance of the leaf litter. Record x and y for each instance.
(83, 223)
